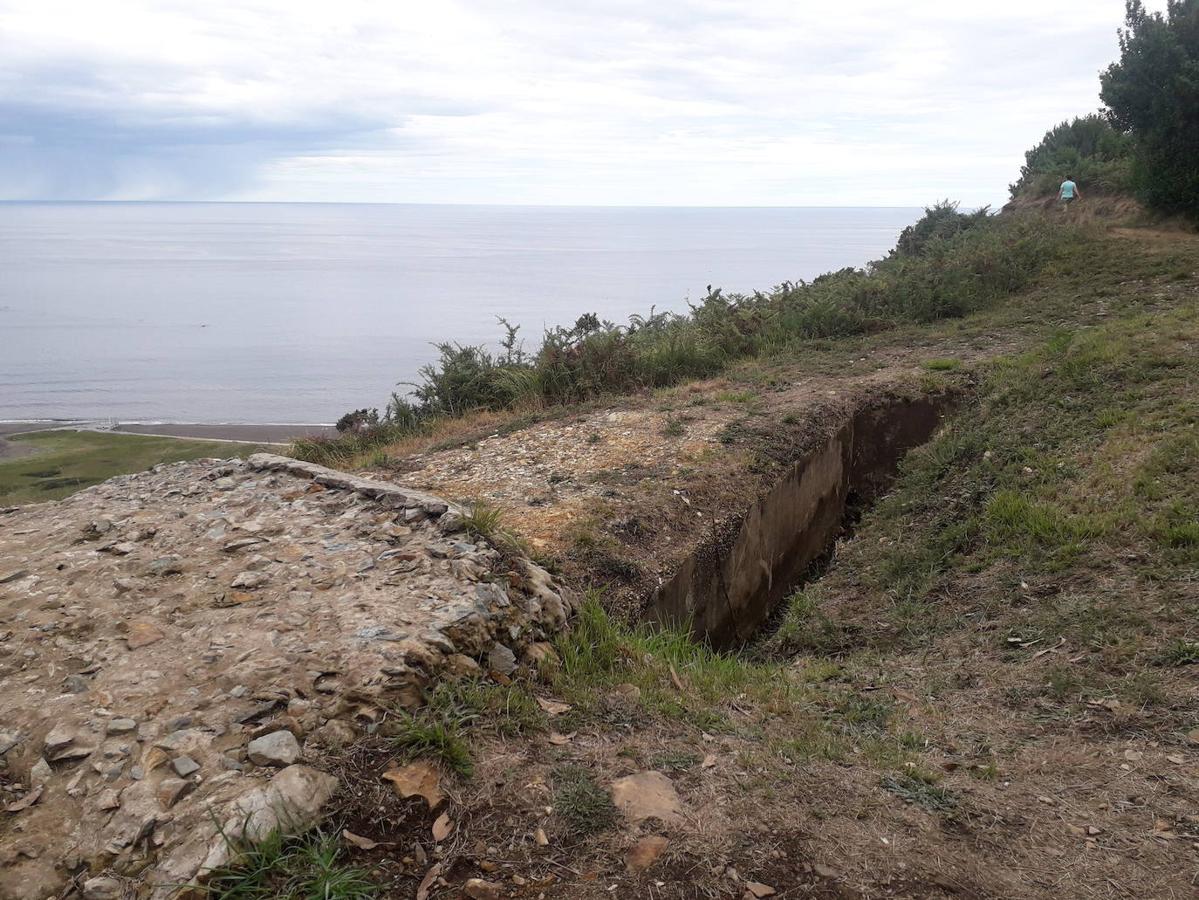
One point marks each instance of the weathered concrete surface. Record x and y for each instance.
(152, 626)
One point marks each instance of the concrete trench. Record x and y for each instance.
(728, 588)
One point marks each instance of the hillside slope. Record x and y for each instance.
(989, 693)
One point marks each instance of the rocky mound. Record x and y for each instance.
(177, 647)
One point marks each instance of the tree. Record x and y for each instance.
(1153, 92)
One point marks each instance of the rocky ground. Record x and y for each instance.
(177, 646)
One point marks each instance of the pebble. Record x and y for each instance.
(249, 579)
(166, 565)
(121, 726)
(185, 765)
(59, 737)
(501, 660)
(171, 789)
(279, 748)
(40, 773)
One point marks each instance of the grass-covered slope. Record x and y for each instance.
(64, 462)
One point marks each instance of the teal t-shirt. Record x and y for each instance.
(1068, 188)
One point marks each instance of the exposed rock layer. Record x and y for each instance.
(157, 623)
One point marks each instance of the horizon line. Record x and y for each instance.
(47, 202)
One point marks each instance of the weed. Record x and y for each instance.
(508, 710)
(482, 520)
(440, 737)
(921, 789)
(807, 629)
(580, 804)
(1180, 652)
(675, 761)
(674, 427)
(863, 713)
(303, 868)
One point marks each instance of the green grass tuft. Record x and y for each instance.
(303, 868)
(580, 804)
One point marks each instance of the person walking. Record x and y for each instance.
(1068, 192)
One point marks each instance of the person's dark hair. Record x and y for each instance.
(1069, 177)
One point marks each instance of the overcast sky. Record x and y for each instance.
(677, 102)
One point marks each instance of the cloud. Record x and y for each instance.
(778, 102)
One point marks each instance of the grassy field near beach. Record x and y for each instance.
(67, 461)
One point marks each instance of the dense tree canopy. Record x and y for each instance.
(1153, 93)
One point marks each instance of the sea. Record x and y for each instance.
(293, 312)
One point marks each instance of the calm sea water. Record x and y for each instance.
(297, 312)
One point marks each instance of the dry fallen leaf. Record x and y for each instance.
(553, 707)
(442, 827)
(709, 761)
(559, 739)
(645, 852)
(1133, 755)
(422, 890)
(540, 837)
(359, 841)
(757, 889)
(418, 779)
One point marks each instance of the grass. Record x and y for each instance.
(433, 736)
(582, 806)
(943, 365)
(599, 652)
(921, 789)
(455, 713)
(310, 867)
(68, 461)
(483, 520)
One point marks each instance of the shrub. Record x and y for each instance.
(947, 264)
(358, 421)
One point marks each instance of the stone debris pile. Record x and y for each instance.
(178, 647)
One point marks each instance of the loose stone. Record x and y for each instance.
(279, 748)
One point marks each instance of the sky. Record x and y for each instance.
(575, 102)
